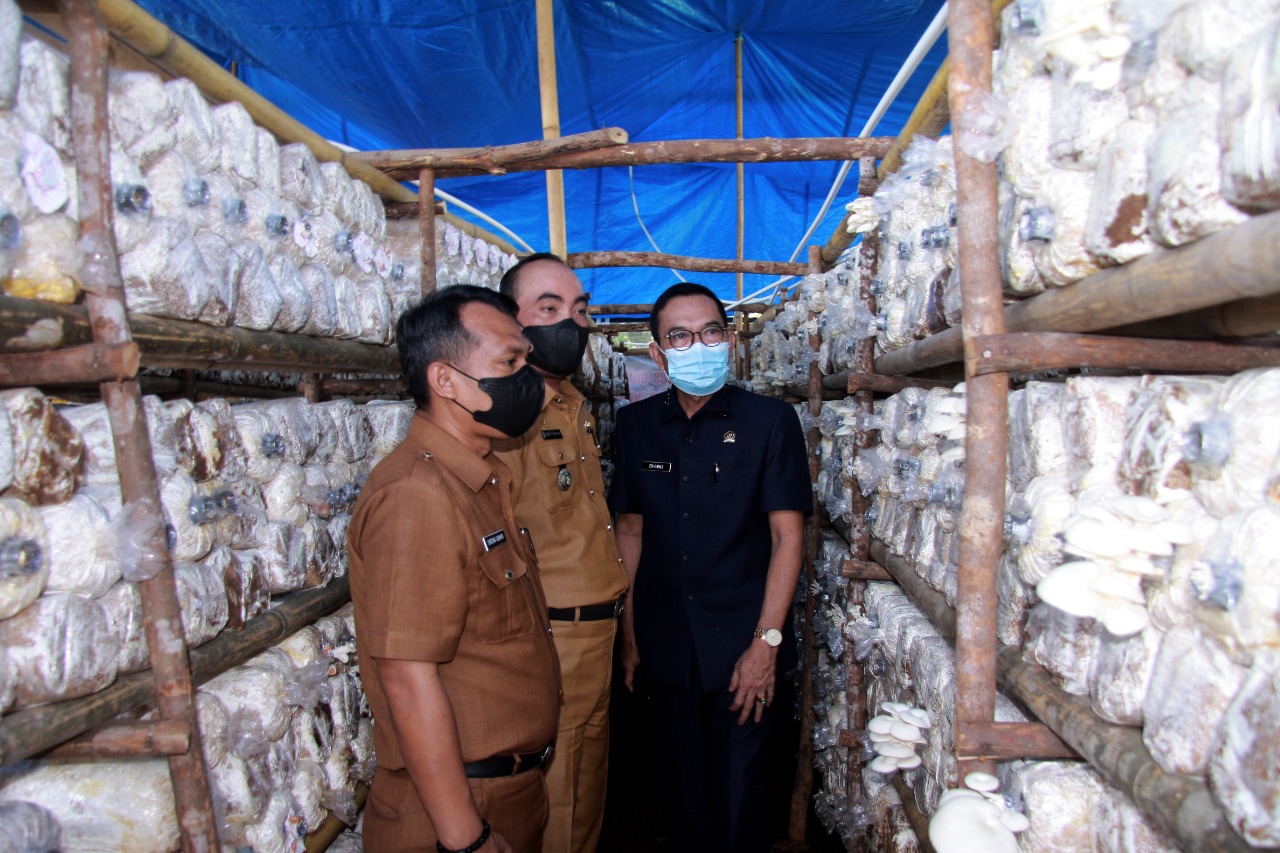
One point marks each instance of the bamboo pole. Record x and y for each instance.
(427, 229)
(1166, 282)
(128, 22)
(318, 841)
(492, 159)
(104, 299)
(550, 101)
(971, 36)
(33, 730)
(1182, 805)
(149, 38)
(1241, 319)
(588, 260)
(1023, 352)
(737, 77)
(763, 150)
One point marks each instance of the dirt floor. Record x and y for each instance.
(634, 822)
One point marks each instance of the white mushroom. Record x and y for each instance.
(883, 764)
(983, 782)
(894, 749)
(970, 825)
(905, 732)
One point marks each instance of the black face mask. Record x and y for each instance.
(558, 348)
(517, 400)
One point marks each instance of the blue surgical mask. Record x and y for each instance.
(700, 370)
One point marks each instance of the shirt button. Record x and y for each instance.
(685, 558)
(608, 527)
(591, 491)
(688, 439)
(684, 515)
(493, 481)
(685, 478)
(510, 574)
(583, 458)
(691, 598)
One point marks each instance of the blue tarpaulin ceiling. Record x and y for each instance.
(379, 74)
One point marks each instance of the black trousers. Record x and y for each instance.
(715, 776)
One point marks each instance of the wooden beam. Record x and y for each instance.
(918, 821)
(864, 570)
(85, 363)
(762, 150)
(493, 159)
(409, 209)
(319, 840)
(589, 260)
(128, 739)
(31, 324)
(981, 739)
(874, 382)
(1241, 319)
(1021, 352)
(1166, 282)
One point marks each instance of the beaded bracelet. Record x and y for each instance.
(473, 846)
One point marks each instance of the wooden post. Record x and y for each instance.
(427, 228)
(737, 77)
(971, 34)
(170, 672)
(549, 95)
(803, 790)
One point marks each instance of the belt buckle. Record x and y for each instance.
(545, 755)
(617, 607)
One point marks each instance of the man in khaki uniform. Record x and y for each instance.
(559, 495)
(455, 647)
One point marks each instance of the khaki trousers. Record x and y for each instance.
(396, 822)
(579, 770)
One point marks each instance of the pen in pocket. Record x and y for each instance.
(715, 471)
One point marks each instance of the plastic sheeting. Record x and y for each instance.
(427, 73)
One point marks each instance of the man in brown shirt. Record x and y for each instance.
(455, 646)
(560, 496)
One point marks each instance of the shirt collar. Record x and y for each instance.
(718, 404)
(474, 471)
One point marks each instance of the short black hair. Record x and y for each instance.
(684, 288)
(432, 331)
(511, 278)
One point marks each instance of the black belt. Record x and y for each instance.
(590, 613)
(508, 765)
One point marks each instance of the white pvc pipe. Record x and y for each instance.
(936, 28)
(441, 194)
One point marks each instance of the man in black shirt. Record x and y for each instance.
(710, 489)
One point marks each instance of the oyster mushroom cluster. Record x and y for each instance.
(895, 734)
(976, 819)
(1120, 539)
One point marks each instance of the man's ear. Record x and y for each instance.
(440, 379)
(656, 353)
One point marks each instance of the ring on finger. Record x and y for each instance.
(762, 700)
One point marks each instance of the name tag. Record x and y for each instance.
(551, 434)
(656, 466)
(494, 539)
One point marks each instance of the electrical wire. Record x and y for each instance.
(635, 204)
(457, 202)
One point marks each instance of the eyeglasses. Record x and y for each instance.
(681, 340)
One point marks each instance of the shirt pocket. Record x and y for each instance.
(505, 604)
(555, 475)
(732, 489)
